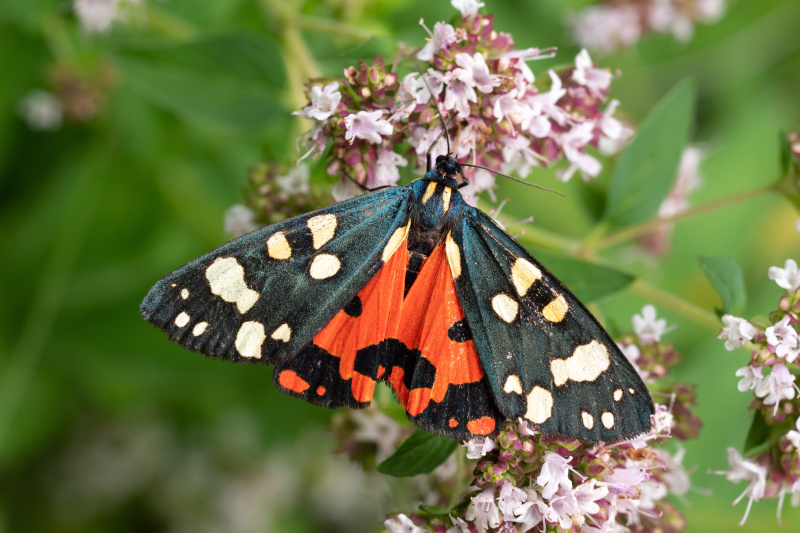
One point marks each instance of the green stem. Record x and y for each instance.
(679, 305)
(644, 228)
(168, 24)
(540, 238)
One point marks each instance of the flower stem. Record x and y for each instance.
(646, 227)
(679, 305)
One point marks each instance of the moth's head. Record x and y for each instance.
(448, 166)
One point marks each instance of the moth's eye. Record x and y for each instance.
(440, 159)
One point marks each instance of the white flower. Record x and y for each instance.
(606, 28)
(344, 190)
(737, 332)
(239, 220)
(777, 386)
(548, 103)
(475, 72)
(295, 181)
(675, 475)
(483, 511)
(367, 125)
(518, 156)
(510, 500)
(554, 474)
(324, 102)
(611, 127)
(41, 110)
(467, 7)
(508, 107)
(647, 327)
(586, 494)
(96, 16)
(564, 506)
(663, 420)
(534, 511)
(626, 480)
(458, 95)
(572, 142)
(402, 524)
(477, 447)
(459, 525)
(794, 436)
(751, 377)
(386, 171)
(632, 354)
(527, 54)
(443, 35)
(373, 426)
(787, 277)
(745, 470)
(785, 339)
(596, 80)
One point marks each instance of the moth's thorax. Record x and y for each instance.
(436, 201)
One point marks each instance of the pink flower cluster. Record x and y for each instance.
(613, 24)
(498, 115)
(527, 482)
(774, 347)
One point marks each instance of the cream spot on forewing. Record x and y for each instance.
(429, 192)
(556, 310)
(182, 319)
(324, 266)
(283, 333)
(512, 385)
(505, 307)
(446, 199)
(278, 247)
(631, 391)
(322, 229)
(184, 293)
(608, 420)
(173, 285)
(617, 395)
(226, 278)
(249, 339)
(395, 241)
(588, 420)
(524, 274)
(586, 364)
(540, 405)
(199, 328)
(453, 255)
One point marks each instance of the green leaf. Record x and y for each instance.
(647, 167)
(419, 454)
(758, 434)
(587, 281)
(230, 80)
(726, 276)
(435, 510)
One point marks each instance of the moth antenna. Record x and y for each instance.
(455, 141)
(514, 179)
(435, 104)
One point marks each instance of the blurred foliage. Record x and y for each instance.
(163, 117)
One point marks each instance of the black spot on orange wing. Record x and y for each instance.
(313, 375)
(354, 339)
(436, 371)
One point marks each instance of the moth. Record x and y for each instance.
(411, 286)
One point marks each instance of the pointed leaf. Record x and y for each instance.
(587, 281)
(726, 276)
(419, 454)
(647, 167)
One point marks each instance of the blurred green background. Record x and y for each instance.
(107, 426)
